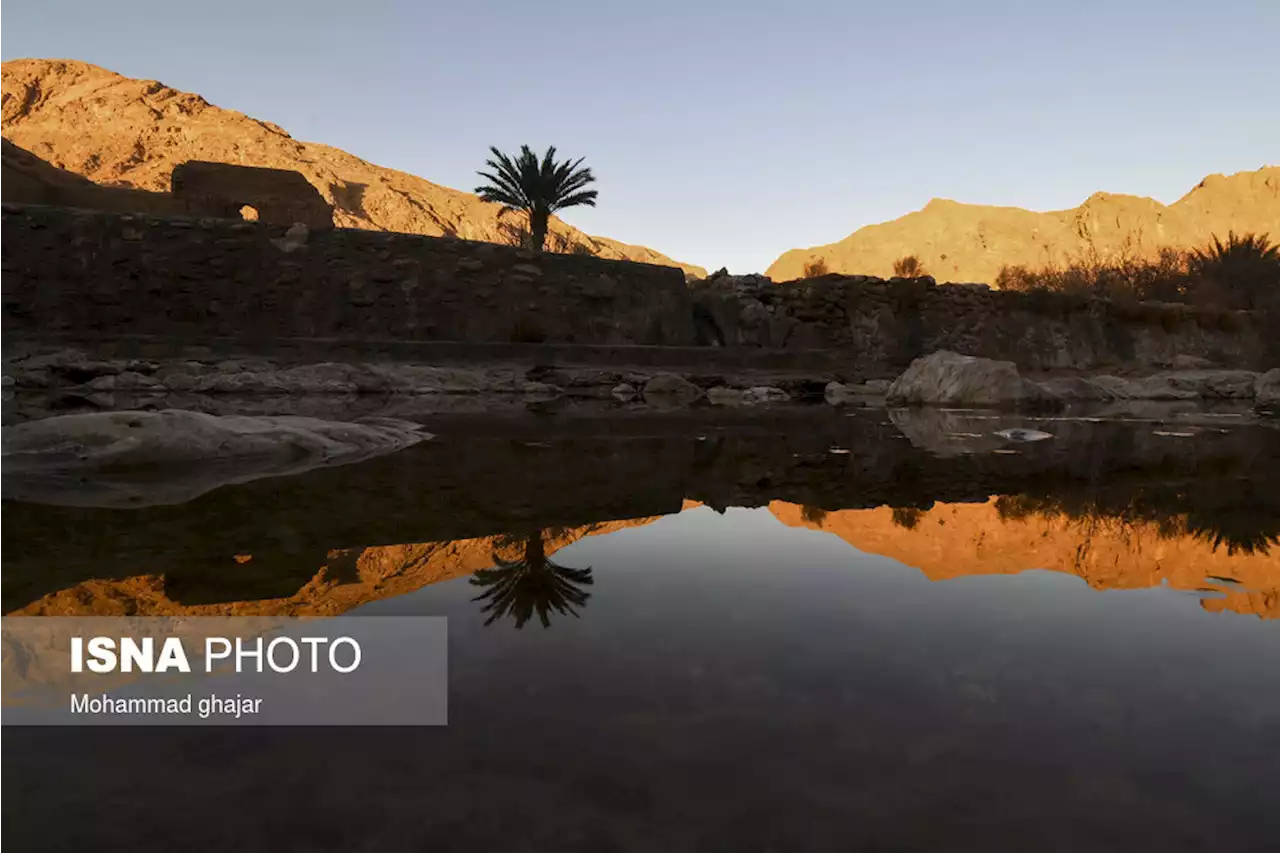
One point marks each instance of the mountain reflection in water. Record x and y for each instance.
(1104, 502)
(780, 647)
(517, 579)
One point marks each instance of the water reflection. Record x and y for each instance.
(517, 578)
(517, 587)
(1010, 534)
(1114, 504)
(854, 646)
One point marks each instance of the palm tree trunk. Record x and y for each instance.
(535, 552)
(538, 229)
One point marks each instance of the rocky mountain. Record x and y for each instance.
(122, 132)
(970, 242)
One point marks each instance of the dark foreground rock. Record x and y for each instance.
(153, 458)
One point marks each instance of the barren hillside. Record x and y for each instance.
(118, 131)
(970, 242)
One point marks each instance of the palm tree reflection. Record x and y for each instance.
(531, 583)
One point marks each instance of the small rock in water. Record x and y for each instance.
(624, 391)
(765, 394)
(541, 391)
(1020, 434)
(722, 396)
(670, 389)
(1171, 434)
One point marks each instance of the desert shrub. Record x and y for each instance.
(814, 515)
(1124, 276)
(1241, 272)
(908, 267)
(815, 267)
(907, 517)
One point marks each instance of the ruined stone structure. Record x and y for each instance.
(276, 196)
(89, 276)
(881, 325)
(94, 277)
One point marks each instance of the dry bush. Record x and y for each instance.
(1242, 273)
(815, 267)
(1124, 276)
(907, 517)
(908, 267)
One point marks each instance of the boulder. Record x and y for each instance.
(839, 393)
(1069, 388)
(877, 386)
(1178, 385)
(1191, 362)
(946, 378)
(541, 391)
(144, 458)
(670, 388)
(1266, 391)
(127, 380)
(1213, 384)
(624, 391)
(722, 396)
(764, 394)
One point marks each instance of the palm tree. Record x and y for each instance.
(1245, 268)
(539, 189)
(531, 583)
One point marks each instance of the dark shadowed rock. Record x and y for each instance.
(135, 458)
(670, 388)
(1267, 391)
(764, 394)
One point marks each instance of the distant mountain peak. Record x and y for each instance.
(968, 242)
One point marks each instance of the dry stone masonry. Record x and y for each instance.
(87, 275)
(882, 325)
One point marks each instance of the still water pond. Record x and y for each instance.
(819, 635)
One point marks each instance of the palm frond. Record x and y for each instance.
(537, 185)
(587, 198)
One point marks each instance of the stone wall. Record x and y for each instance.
(84, 275)
(881, 325)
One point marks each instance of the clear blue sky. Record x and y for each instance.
(726, 132)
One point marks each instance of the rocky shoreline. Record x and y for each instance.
(942, 378)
